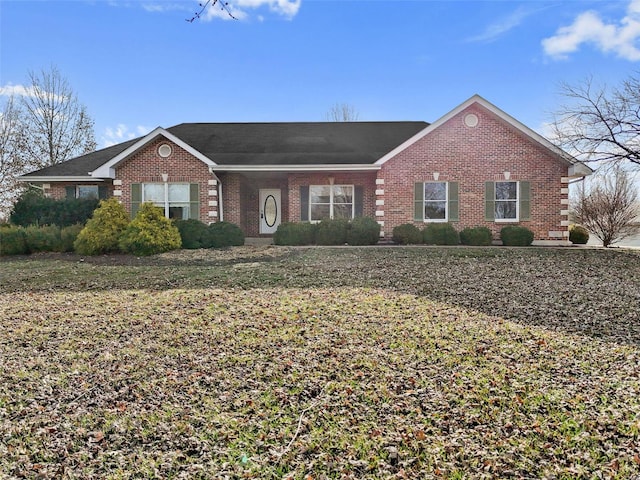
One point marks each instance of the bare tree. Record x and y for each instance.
(342, 112)
(609, 208)
(599, 123)
(12, 162)
(56, 125)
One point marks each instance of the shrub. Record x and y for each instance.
(149, 233)
(407, 234)
(192, 233)
(440, 234)
(291, 233)
(43, 239)
(332, 231)
(476, 236)
(223, 234)
(363, 231)
(12, 241)
(33, 208)
(578, 234)
(103, 231)
(516, 236)
(68, 236)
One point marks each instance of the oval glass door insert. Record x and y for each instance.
(270, 211)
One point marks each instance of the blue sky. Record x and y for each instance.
(137, 64)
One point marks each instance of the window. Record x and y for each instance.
(331, 201)
(507, 201)
(436, 201)
(178, 200)
(86, 191)
(506, 207)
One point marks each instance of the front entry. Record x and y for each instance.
(270, 211)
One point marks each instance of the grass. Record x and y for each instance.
(322, 363)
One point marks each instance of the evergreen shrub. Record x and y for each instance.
(578, 234)
(222, 234)
(476, 236)
(440, 234)
(12, 241)
(33, 208)
(68, 236)
(332, 231)
(363, 231)
(149, 233)
(516, 236)
(293, 233)
(192, 232)
(407, 234)
(102, 232)
(43, 239)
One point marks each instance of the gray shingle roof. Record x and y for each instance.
(322, 143)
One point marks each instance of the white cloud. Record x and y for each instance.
(589, 28)
(240, 8)
(121, 133)
(502, 25)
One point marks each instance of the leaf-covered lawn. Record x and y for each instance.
(322, 363)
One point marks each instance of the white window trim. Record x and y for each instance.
(167, 204)
(87, 185)
(353, 200)
(446, 204)
(517, 200)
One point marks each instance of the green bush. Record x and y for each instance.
(192, 233)
(223, 234)
(292, 233)
(440, 234)
(578, 234)
(149, 233)
(68, 236)
(12, 241)
(332, 231)
(476, 236)
(43, 239)
(516, 236)
(33, 208)
(103, 231)
(407, 234)
(363, 231)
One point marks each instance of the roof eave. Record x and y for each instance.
(297, 168)
(59, 178)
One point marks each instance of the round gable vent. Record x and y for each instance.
(164, 150)
(471, 120)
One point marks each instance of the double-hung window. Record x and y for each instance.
(507, 201)
(86, 191)
(177, 200)
(436, 201)
(331, 201)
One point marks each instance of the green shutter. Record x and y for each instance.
(102, 192)
(136, 198)
(453, 202)
(418, 200)
(304, 203)
(490, 201)
(358, 199)
(525, 200)
(70, 192)
(194, 201)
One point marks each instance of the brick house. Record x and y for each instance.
(474, 166)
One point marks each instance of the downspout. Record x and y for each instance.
(221, 211)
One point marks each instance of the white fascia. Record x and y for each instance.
(297, 168)
(477, 99)
(88, 178)
(108, 170)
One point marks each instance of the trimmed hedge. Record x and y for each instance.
(103, 231)
(363, 231)
(477, 236)
(440, 234)
(578, 234)
(516, 236)
(192, 233)
(292, 233)
(12, 241)
(222, 234)
(332, 231)
(407, 234)
(33, 208)
(149, 233)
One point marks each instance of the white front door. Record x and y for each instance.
(269, 210)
